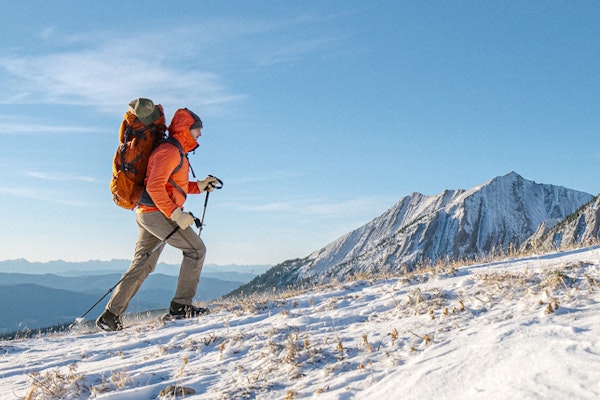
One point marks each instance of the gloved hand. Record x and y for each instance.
(183, 219)
(207, 184)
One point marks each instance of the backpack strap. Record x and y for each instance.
(146, 200)
(177, 168)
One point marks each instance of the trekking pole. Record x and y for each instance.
(147, 255)
(200, 222)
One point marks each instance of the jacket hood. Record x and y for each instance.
(180, 129)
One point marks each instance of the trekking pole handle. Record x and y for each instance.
(197, 220)
(218, 185)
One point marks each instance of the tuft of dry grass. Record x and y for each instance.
(58, 384)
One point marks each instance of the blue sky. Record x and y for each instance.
(318, 115)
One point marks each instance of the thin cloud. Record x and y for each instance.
(93, 79)
(20, 125)
(36, 194)
(298, 50)
(282, 41)
(320, 207)
(60, 177)
(106, 76)
(102, 70)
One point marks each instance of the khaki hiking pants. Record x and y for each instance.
(154, 227)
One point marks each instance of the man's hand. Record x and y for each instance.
(208, 184)
(183, 219)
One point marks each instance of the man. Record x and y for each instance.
(159, 213)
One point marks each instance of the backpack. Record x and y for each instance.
(145, 198)
(136, 142)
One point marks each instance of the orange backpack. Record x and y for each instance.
(136, 142)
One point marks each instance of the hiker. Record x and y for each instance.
(159, 212)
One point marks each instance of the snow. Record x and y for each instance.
(524, 328)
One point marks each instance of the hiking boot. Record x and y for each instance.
(109, 322)
(179, 311)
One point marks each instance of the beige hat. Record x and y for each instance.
(145, 110)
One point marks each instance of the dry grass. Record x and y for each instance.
(59, 383)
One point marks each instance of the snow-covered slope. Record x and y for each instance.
(520, 329)
(420, 230)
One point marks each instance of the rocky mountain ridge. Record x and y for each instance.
(419, 230)
(581, 227)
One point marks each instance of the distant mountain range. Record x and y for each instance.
(35, 298)
(420, 230)
(29, 306)
(96, 267)
(35, 301)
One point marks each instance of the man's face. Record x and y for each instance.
(196, 133)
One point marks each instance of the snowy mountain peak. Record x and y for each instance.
(419, 230)
(500, 183)
(512, 175)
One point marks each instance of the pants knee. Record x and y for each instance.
(197, 253)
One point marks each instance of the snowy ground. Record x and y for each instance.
(526, 328)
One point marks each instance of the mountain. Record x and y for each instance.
(29, 301)
(583, 226)
(238, 273)
(209, 288)
(420, 230)
(56, 292)
(20, 309)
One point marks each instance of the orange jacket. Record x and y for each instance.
(163, 161)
